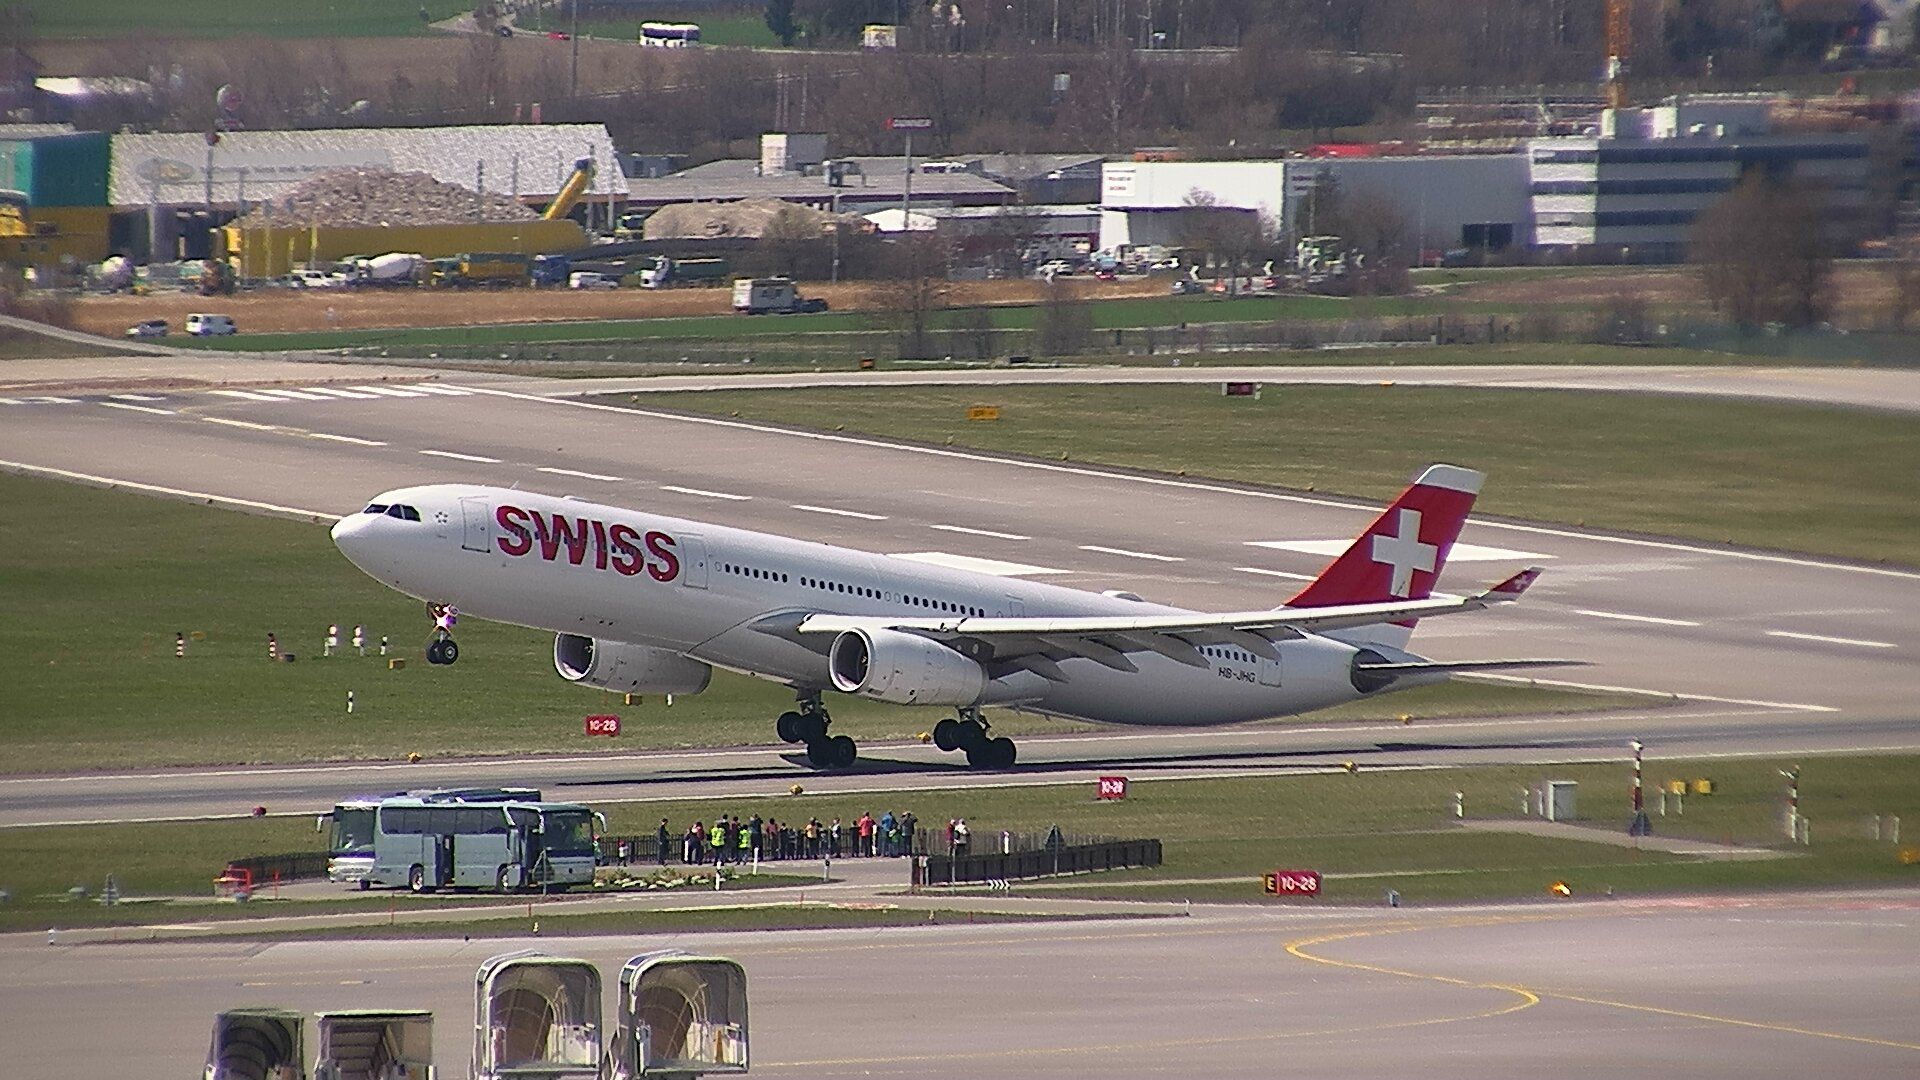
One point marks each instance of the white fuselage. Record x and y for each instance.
(710, 592)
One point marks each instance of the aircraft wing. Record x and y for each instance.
(1107, 639)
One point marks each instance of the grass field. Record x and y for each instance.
(226, 18)
(1369, 831)
(91, 681)
(1116, 314)
(1828, 481)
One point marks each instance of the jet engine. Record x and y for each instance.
(627, 668)
(905, 669)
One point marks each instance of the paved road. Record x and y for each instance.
(1763, 986)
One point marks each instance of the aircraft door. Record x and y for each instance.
(693, 561)
(477, 519)
(1268, 670)
(1016, 608)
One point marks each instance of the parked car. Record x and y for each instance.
(315, 279)
(1188, 287)
(211, 325)
(148, 328)
(587, 279)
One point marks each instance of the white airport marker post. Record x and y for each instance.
(273, 647)
(1459, 804)
(1640, 825)
(333, 639)
(180, 646)
(360, 638)
(383, 644)
(349, 702)
(1793, 801)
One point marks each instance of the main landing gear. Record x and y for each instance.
(441, 648)
(969, 733)
(808, 724)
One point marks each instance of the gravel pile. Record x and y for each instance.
(347, 198)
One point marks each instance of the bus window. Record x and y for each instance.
(569, 832)
(352, 831)
(443, 820)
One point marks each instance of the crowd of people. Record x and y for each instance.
(728, 840)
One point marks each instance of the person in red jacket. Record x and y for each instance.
(865, 827)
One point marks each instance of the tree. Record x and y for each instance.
(916, 290)
(1066, 321)
(1761, 254)
(780, 20)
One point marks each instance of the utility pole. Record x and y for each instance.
(573, 39)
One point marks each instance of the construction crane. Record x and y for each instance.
(1619, 50)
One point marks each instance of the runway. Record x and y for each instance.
(1761, 986)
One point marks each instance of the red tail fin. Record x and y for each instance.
(1400, 555)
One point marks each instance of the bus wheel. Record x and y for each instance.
(365, 884)
(417, 878)
(500, 881)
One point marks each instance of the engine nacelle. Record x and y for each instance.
(626, 668)
(905, 669)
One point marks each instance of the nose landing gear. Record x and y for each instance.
(969, 733)
(441, 648)
(808, 723)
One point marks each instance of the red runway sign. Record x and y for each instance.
(1292, 883)
(1112, 787)
(603, 724)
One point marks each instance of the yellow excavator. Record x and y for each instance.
(569, 196)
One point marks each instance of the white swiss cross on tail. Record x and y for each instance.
(1404, 554)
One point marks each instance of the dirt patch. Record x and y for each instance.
(1664, 286)
(287, 310)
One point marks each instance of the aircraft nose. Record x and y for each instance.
(350, 534)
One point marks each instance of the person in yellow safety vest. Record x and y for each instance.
(745, 844)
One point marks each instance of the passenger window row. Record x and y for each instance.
(753, 572)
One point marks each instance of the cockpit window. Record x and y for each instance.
(404, 513)
(375, 508)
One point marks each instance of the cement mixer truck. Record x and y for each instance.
(395, 268)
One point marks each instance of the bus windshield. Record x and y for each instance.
(352, 830)
(569, 832)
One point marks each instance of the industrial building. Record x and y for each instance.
(1045, 232)
(795, 168)
(1634, 189)
(53, 195)
(169, 190)
(1473, 201)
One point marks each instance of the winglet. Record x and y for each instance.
(1510, 589)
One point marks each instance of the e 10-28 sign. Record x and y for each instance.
(1292, 882)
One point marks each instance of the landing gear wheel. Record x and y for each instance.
(789, 727)
(841, 752)
(442, 651)
(992, 754)
(946, 734)
(817, 752)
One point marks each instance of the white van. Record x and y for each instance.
(210, 325)
(587, 279)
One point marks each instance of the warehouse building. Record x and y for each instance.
(168, 191)
(1462, 201)
(795, 168)
(1634, 190)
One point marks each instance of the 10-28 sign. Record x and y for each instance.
(1291, 882)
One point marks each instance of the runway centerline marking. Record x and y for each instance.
(1789, 705)
(243, 395)
(138, 408)
(1186, 485)
(1124, 553)
(462, 457)
(704, 493)
(581, 475)
(1825, 639)
(354, 439)
(136, 397)
(1621, 616)
(980, 532)
(248, 424)
(835, 511)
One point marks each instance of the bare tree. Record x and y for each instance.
(1377, 233)
(1065, 322)
(1761, 255)
(1903, 299)
(917, 288)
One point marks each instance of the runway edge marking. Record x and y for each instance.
(135, 485)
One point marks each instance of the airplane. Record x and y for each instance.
(642, 603)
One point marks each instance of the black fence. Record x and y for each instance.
(794, 845)
(299, 866)
(1073, 859)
